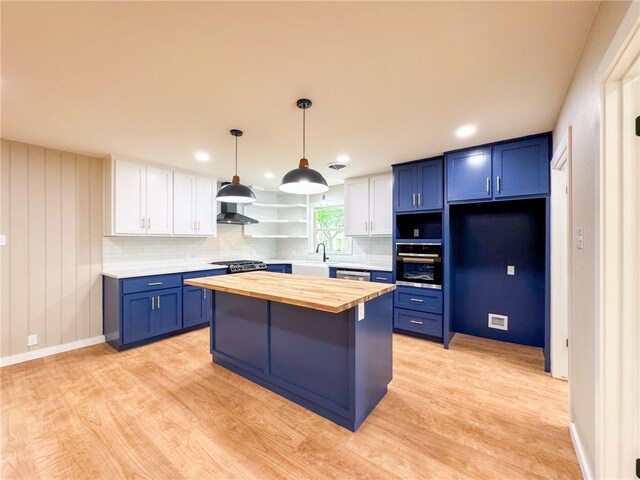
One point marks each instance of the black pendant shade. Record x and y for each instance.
(235, 192)
(304, 180)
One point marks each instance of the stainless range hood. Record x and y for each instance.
(229, 214)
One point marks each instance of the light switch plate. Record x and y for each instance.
(580, 239)
(3, 240)
(511, 269)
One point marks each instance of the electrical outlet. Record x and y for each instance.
(3, 240)
(32, 340)
(511, 269)
(416, 232)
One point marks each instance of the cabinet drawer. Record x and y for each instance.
(418, 322)
(381, 277)
(153, 282)
(421, 299)
(204, 273)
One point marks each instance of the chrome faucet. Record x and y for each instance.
(324, 251)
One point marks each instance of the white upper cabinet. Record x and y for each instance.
(380, 204)
(368, 205)
(184, 204)
(145, 199)
(159, 201)
(356, 207)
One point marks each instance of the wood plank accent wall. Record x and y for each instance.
(51, 213)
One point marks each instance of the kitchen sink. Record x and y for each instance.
(314, 269)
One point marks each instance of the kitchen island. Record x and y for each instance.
(323, 343)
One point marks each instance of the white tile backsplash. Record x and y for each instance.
(141, 252)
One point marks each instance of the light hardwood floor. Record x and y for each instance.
(483, 409)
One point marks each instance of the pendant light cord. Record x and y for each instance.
(304, 132)
(236, 156)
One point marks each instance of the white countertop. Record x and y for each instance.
(160, 270)
(190, 267)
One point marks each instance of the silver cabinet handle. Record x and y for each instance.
(419, 199)
(195, 228)
(416, 322)
(155, 283)
(371, 225)
(416, 300)
(381, 278)
(149, 223)
(366, 226)
(198, 225)
(488, 185)
(158, 302)
(153, 303)
(413, 199)
(142, 223)
(204, 290)
(498, 183)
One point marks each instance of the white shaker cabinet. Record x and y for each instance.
(368, 205)
(194, 207)
(138, 198)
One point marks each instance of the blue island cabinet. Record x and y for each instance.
(337, 365)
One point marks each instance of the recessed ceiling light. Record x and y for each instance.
(268, 175)
(202, 156)
(343, 159)
(466, 131)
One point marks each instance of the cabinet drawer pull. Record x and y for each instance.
(158, 302)
(153, 303)
(416, 322)
(155, 283)
(382, 278)
(416, 300)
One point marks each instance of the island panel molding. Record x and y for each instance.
(325, 294)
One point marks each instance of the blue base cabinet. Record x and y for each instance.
(144, 309)
(418, 310)
(279, 267)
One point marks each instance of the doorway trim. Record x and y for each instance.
(562, 157)
(617, 379)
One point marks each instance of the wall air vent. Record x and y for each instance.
(337, 166)
(501, 322)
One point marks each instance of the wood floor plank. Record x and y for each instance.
(482, 409)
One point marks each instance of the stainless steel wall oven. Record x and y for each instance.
(419, 265)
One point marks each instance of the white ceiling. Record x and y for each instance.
(389, 81)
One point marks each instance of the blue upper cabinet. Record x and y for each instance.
(469, 174)
(518, 168)
(418, 186)
(521, 168)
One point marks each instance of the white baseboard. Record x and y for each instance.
(582, 458)
(45, 352)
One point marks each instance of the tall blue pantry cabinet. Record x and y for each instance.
(495, 215)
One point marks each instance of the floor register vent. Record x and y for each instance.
(501, 322)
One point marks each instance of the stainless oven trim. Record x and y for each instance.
(430, 255)
(423, 243)
(419, 285)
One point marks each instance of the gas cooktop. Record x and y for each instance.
(237, 266)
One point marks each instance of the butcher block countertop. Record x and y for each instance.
(318, 293)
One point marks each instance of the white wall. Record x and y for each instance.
(581, 111)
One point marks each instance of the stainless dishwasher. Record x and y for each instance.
(359, 275)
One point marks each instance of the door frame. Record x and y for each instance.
(561, 157)
(617, 379)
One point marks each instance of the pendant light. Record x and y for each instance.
(235, 192)
(303, 180)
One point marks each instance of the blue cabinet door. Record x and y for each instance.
(521, 168)
(279, 267)
(469, 175)
(167, 315)
(194, 301)
(430, 191)
(137, 323)
(404, 188)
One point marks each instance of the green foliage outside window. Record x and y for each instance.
(328, 228)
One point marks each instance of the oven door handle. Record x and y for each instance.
(430, 261)
(430, 255)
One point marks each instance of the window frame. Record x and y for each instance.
(311, 227)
